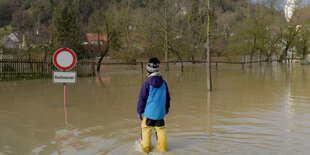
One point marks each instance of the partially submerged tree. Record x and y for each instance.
(193, 27)
(292, 29)
(303, 43)
(103, 24)
(162, 28)
(303, 38)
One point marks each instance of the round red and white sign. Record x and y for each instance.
(64, 59)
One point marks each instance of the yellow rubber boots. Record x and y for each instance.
(146, 137)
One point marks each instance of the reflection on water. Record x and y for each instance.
(264, 109)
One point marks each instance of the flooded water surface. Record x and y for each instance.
(264, 109)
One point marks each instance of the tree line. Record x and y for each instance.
(170, 29)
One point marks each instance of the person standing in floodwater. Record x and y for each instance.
(153, 106)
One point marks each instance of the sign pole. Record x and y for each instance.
(65, 95)
(65, 106)
(64, 60)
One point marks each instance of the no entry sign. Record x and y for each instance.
(64, 59)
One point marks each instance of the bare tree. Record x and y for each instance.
(162, 30)
(103, 24)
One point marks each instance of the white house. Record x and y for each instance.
(10, 41)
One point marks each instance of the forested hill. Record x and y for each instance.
(25, 14)
(28, 14)
(132, 29)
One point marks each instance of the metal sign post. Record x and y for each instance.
(64, 59)
(65, 95)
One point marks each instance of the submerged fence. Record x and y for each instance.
(26, 69)
(11, 69)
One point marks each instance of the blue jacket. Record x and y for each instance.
(154, 98)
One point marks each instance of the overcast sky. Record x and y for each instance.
(303, 3)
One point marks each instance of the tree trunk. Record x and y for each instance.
(107, 47)
(93, 67)
(268, 57)
(283, 55)
(98, 37)
(166, 38)
(193, 59)
(44, 59)
(244, 58)
(182, 66)
(209, 115)
(29, 59)
(99, 64)
(208, 56)
(101, 58)
(253, 50)
(179, 58)
(304, 49)
(303, 54)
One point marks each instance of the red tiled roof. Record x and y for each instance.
(94, 37)
(301, 15)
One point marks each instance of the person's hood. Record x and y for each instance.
(155, 79)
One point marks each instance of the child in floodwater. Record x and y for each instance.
(153, 105)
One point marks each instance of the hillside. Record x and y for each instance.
(34, 14)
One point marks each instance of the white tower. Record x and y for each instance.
(289, 9)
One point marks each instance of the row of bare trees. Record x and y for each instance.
(266, 33)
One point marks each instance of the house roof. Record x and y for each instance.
(94, 37)
(301, 15)
(13, 37)
(9, 38)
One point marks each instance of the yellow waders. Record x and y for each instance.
(146, 137)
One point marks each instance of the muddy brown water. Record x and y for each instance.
(264, 109)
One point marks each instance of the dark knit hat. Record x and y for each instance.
(153, 65)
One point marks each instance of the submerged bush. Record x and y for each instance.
(304, 62)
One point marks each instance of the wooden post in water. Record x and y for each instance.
(208, 56)
(93, 67)
(23, 68)
(209, 115)
(182, 67)
(141, 68)
(15, 68)
(1, 67)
